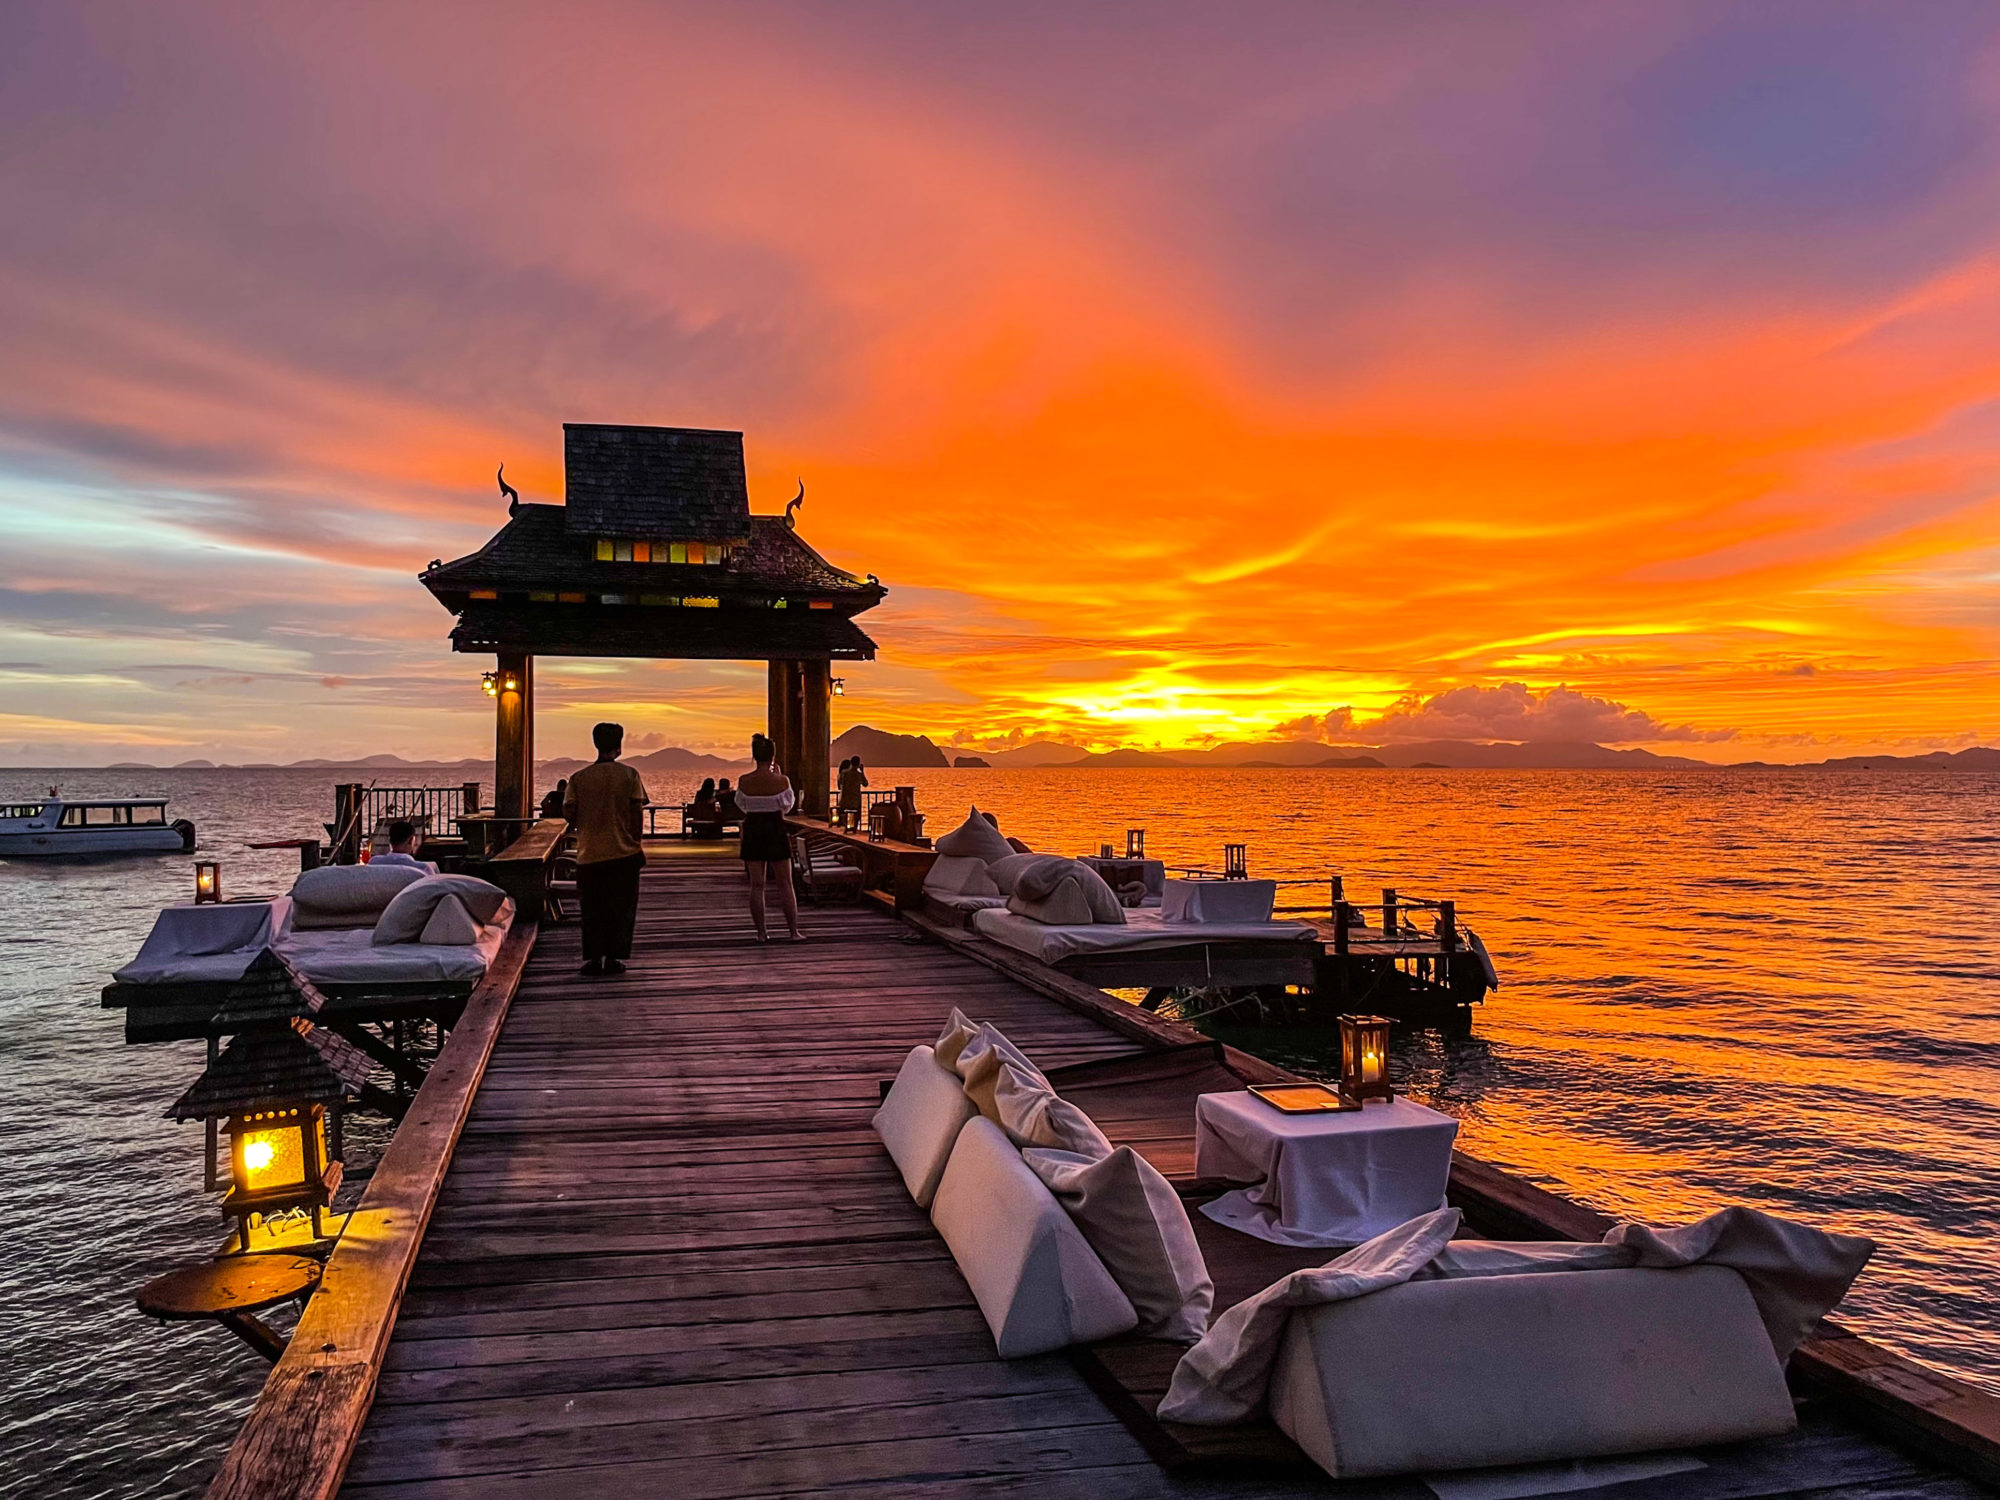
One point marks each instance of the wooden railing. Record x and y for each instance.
(298, 1438)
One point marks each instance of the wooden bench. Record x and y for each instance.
(820, 871)
(886, 865)
(523, 869)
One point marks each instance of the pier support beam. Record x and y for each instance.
(514, 737)
(815, 738)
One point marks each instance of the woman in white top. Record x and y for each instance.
(765, 796)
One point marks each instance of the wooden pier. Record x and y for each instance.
(636, 1237)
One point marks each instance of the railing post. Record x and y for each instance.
(1389, 923)
(1447, 928)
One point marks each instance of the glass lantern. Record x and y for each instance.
(1364, 1058)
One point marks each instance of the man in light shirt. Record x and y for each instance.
(403, 848)
(606, 808)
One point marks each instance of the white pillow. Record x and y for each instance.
(450, 923)
(348, 895)
(920, 1119)
(959, 875)
(1013, 1093)
(1037, 1281)
(1038, 877)
(1139, 1228)
(959, 1030)
(979, 1058)
(403, 919)
(1065, 906)
(975, 838)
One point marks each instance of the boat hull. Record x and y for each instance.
(59, 843)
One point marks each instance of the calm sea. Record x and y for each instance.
(1774, 988)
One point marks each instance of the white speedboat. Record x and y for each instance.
(58, 825)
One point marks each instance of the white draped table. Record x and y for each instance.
(1332, 1179)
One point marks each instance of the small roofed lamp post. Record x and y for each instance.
(1364, 1058)
(207, 881)
(273, 1085)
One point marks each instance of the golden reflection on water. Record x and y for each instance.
(1763, 987)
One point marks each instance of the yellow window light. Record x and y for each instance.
(484, 594)
(677, 552)
(604, 549)
(701, 603)
(642, 552)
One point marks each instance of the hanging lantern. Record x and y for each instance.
(840, 687)
(1135, 843)
(1364, 1057)
(490, 681)
(207, 881)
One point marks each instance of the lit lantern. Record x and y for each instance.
(207, 881)
(278, 1160)
(878, 823)
(491, 682)
(1364, 1057)
(1135, 843)
(273, 1087)
(509, 683)
(840, 687)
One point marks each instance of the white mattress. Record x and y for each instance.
(348, 956)
(1143, 930)
(330, 955)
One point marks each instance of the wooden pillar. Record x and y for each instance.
(782, 712)
(514, 737)
(815, 737)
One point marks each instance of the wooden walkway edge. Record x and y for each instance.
(298, 1438)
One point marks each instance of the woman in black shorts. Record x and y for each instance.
(765, 796)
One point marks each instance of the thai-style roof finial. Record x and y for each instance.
(792, 506)
(513, 495)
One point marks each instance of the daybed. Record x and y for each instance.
(360, 933)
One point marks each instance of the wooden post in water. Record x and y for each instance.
(809, 776)
(514, 737)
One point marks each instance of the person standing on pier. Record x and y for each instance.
(606, 806)
(765, 796)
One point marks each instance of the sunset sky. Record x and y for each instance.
(1188, 373)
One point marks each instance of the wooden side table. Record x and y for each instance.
(232, 1291)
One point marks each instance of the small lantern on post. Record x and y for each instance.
(1364, 1058)
(1235, 862)
(273, 1086)
(1135, 843)
(207, 881)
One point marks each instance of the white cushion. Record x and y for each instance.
(404, 918)
(1455, 1374)
(450, 922)
(959, 875)
(959, 1030)
(1065, 906)
(1037, 1281)
(1014, 1094)
(1036, 877)
(348, 895)
(920, 1119)
(975, 838)
(1218, 900)
(1136, 1223)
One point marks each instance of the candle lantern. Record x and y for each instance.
(1135, 843)
(878, 823)
(207, 881)
(1364, 1057)
(1235, 862)
(273, 1085)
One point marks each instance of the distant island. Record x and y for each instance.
(878, 747)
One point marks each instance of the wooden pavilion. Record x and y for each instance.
(655, 553)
